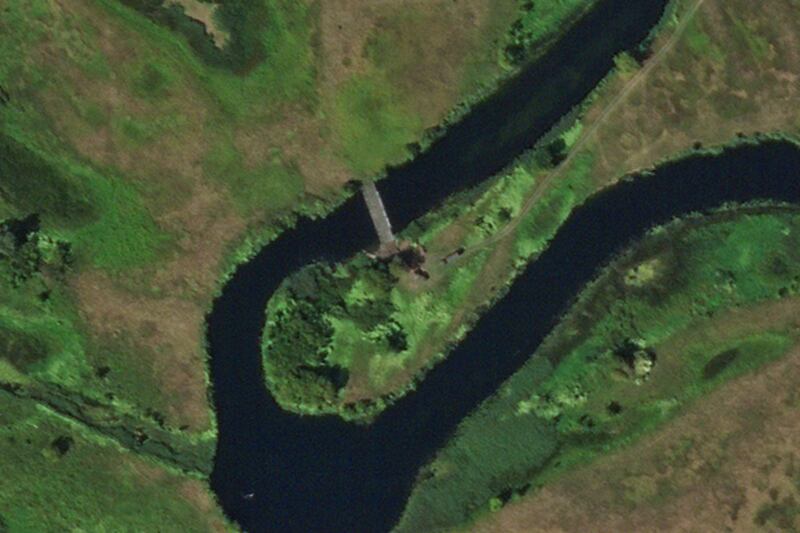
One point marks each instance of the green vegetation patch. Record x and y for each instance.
(103, 217)
(58, 477)
(276, 184)
(245, 81)
(490, 462)
(43, 347)
(701, 44)
(319, 322)
(371, 124)
(21, 349)
(245, 20)
(781, 515)
(33, 184)
(643, 340)
(32, 337)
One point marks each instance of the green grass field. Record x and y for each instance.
(59, 477)
(611, 372)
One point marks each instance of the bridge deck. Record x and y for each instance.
(377, 213)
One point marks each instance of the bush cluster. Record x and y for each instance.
(25, 251)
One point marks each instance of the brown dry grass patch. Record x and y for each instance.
(166, 333)
(195, 492)
(434, 45)
(198, 495)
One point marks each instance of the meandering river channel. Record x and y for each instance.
(275, 471)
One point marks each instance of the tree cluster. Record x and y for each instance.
(25, 252)
(299, 335)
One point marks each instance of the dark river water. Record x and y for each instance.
(320, 474)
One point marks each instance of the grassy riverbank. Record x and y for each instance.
(726, 462)
(507, 221)
(655, 332)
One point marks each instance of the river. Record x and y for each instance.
(276, 471)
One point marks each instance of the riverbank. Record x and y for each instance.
(644, 341)
(725, 462)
